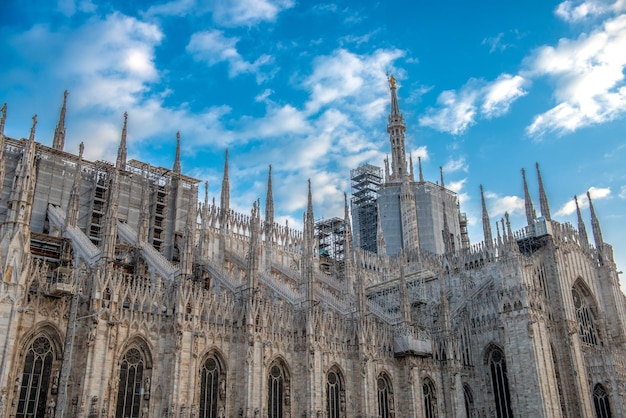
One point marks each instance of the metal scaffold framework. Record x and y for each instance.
(366, 180)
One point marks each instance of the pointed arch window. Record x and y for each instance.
(131, 384)
(212, 388)
(385, 397)
(35, 379)
(601, 402)
(500, 383)
(278, 392)
(430, 399)
(469, 401)
(586, 327)
(335, 394)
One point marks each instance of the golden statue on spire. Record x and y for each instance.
(392, 82)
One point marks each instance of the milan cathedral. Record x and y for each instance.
(125, 295)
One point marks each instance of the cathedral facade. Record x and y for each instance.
(125, 295)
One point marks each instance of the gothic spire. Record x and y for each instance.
(309, 247)
(3, 118)
(396, 129)
(71, 219)
(582, 231)
(348, 251)
(252, 268)
(528, 203)
(144, 215)
(22, 193)
(58, 142)
(186, 259)
(595, 226)
(419, 162)
(405, 305)
(509, 233)
(498, 233)
(121, 151)
(447, 241)
(381, 248)
(15, 231)
(387, 178)
(486, 222)
(204, 217)
(441, 176)
(543, 199)
(411, 167)
(176, 168)
(309, 213)
(110, 220)
(269, 207)
(225, 196)
(31, 138)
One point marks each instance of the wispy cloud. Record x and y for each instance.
(477, 98)
(227, 13)
(248, 12)
(212, 47)
(453, 165)
(70, 7)
(597, 193)
(589, 76)
(622, 192)
(495, 43)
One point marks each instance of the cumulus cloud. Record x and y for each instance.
(112, 70)
(589, 76)
(456, 186)
(575, 11)
(212, 47)
(622, 192)
(348, 79)
(597, 193)
(457, 111)
(498, 205)
(499, 95)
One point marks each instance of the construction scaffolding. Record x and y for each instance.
(331, 235)
(366, 181)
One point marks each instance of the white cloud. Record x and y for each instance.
(495, 43)
(173, 8)
(228, 13)
(456, 186)
(421, 152)
(247, 12)
(597, 193)
(498, 205)
(212, 47)
(453, 165)
(458, 111)
(575, 11)
(499, 95)
(589, 77)
(278, 121)
(347, 79)
(622, 192)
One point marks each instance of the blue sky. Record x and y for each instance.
(302, 85)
